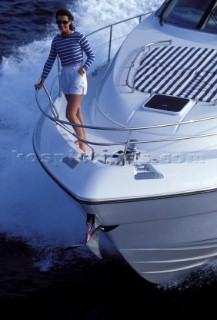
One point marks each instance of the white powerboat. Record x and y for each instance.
(149, 178)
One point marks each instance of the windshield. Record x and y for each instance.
(211, 25)
(191, 14)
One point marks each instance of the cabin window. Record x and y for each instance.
(211, 25)
(191, 14)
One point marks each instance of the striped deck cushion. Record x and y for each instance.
(181, 71)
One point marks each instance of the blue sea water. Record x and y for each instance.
(38, 278)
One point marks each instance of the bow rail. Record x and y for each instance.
(53, 114)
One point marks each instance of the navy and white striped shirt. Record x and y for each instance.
(70, 51)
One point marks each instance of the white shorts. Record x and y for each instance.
(72, 82)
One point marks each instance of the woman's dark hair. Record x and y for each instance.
(65, 12)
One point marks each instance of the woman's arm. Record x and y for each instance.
(88, 51)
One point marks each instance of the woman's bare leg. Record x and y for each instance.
(74, 115)
(80, 117)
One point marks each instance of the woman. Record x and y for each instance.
(70, 45)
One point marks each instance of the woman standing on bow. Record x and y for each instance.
(70, 45)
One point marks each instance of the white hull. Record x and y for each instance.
(161, 265)
(166, 237)
(157, 204)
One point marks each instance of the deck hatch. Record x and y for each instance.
(168, 103)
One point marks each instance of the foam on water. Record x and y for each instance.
(93, 14)
(31, 205)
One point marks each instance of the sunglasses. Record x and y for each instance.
(59, 22)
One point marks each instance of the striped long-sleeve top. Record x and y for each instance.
(70, 51)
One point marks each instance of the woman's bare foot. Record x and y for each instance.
(82, 146)
(77, 142)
